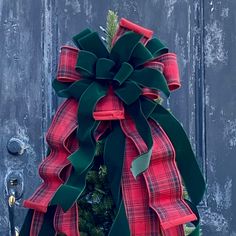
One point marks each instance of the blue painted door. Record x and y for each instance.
(202, 33)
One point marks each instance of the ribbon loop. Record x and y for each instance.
(104, 68)
(140, 55)
(86, 63)
(123, 48)
(91, 42)
(156, 47)
(123, 73)
(76, 39)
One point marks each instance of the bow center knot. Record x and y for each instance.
(107, 69)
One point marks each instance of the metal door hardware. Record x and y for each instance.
(14, 186)
(15, 146)
(14, 190)
(11, 200)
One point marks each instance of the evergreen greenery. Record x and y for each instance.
(111, 27)
(96, 207)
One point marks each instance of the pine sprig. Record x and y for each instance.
(111, 27)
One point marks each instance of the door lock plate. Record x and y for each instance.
(14, 184)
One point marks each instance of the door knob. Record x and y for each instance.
(15, 146)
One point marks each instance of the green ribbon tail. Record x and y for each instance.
(25, 229)
(47, 227)
(196, 223)
(121, 225)
(141, 163)
(114, 162)
(185, 158)
(82, 159)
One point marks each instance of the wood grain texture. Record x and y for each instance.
(201, 32)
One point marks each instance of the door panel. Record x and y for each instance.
(24, 99)
(202, 33)
(220, 112)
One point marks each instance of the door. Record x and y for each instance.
(25, 105)
(201, 32)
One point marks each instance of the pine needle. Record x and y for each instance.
(111, 27)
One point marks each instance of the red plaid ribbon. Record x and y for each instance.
(153, 202)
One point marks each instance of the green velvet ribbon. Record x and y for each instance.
(122, 69)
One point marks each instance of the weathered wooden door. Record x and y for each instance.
(201, 32)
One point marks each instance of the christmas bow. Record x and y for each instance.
(127, 79)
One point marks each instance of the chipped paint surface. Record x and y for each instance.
(21, 98)
(181, 46)
(215, 51)
(225, 12)
(222, 195)
(217, 222)
(88, 7)
(34, 30)
(229, 133)
(1, 6)
(170, 6)
(74, 5)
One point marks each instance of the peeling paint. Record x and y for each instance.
(215, 52)
(207, 95)
(180, 45)
(222, 194)
(1, 6)
(170, 6)
(127, 8)
(225, 12)
(88, 7)
(187, 43)
(229, 133)
(211, 163)
(212, 110)
(154, 2)
(47, 38)
(218, 221)
(4, 221)
(75, 6)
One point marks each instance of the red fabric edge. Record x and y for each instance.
(109, 115)
(136, 28)
(69, 47)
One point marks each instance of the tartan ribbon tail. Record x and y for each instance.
(67, 222)
(156, 195)
(54, 169)
(185, 158)
(164, 185)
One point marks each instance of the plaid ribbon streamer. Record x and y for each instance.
(159, 189)
(153, 202)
